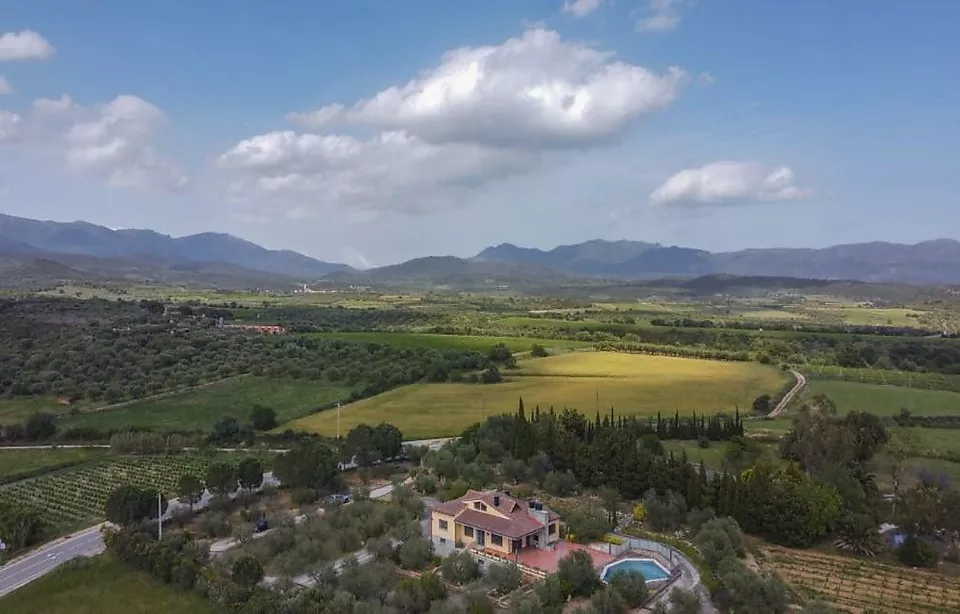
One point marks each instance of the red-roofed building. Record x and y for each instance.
(494, 521)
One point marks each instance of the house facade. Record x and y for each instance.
(492, 520)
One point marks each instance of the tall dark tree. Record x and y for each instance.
(250, 473)
(221, 478)
(308, 465)
(128, 505)
(190, 488)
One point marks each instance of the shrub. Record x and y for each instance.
(918, 552)
(632, 586)
(460, 568)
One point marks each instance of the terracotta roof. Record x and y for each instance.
(515, 527)
(520, 522)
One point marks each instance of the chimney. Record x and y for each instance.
(496, 500)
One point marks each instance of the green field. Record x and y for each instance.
(199, 409)
(456, 342)
(632, 384)
(712, 457)
(102, 586)
(884, 400)
(16, 464)
(19, 408)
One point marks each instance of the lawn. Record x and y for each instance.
(18, 464)
(199, 409)
(885, 400)
(712, 457)
(456, 342)
(102, 586)
(631, 383)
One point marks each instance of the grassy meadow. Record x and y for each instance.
(102, 586)
(884, 400)
(199, 409)
(633, 384)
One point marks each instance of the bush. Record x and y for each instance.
(538, 351)
(632, 586)
(577, 575)
(505, 578)
(561, 484)
(263, 418)
(918, 552)
(460, 568)
(303, 496)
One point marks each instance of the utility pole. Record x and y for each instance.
(159, 516)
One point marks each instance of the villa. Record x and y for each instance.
(493, 521)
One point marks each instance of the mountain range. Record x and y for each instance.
(37, 253)
(930, 262)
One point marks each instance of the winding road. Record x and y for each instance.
(782, 405)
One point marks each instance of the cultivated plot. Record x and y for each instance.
(632, 384)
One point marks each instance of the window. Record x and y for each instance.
(468, 531)
(496, 540)
(443, 540)
(552, 528)
(443, 525)
(483, 507)
(476, 505)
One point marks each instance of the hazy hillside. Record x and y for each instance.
(930, 262)
(91, 240)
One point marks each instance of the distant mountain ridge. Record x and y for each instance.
(929, 262)
(24, 236)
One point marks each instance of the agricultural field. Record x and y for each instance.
(861, 587)
(457, 342)
(18, 464)
(884, 400)
(630, 383)
(17, 409)
(200, 408)
(75, 497)
(102, 586)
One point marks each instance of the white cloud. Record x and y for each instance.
(11, 126)
(581, 8)
(114, 142)
(25, 45)
(5, 87)
(706, 78)
(304, 175)
(728, 183)
(118, 146)
(54, 106)
(534, 91)
(483, 115)
(662, 16)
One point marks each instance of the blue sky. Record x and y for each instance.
(713, 124)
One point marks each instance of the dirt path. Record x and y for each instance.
(782, 405)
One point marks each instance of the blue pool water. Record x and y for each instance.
(648, 568)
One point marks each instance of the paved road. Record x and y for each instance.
(28, 568)
(782, 405)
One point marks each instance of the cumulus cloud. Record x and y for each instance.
(5, 87)
(661, 16)
(728, 182)
(118, 146)
(307, 174)
(54, 106)
(25, 45)
(11, 126)
(482, 115)
(114, 142)
(581, 8)
(533, 91)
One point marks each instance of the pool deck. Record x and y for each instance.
(547, 560)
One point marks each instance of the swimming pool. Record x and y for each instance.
(648, 568)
